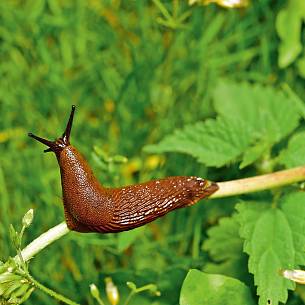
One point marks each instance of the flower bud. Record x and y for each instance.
(28, 218)
(112, 291)
(94, 291)
(297, 276)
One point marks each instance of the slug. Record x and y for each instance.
(90, 207)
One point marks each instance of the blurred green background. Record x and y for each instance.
(135, 75)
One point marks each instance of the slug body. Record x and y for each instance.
(90, 207)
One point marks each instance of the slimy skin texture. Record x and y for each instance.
(90, 207)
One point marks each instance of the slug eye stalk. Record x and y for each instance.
(60, 143)
(67, 132)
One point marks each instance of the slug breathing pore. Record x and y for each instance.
(90, 207)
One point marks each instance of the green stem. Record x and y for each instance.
(50, 292)
(99, 300)
(43, 241)
(228, 188)
(130, 295)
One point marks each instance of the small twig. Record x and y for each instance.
(228, 188)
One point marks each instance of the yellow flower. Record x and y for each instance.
(153, 161)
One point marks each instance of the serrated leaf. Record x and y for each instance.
(224, 241)
(253, 153)
(248, 114)
(293, 206)
(269, 114)
(224, 246)
(294, 154)
(270, 246)
(213, 142)
(295, 99)
(201, 288)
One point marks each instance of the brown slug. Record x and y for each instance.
(90, 207)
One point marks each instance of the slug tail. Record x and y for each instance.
(59, 144)
(210, 188)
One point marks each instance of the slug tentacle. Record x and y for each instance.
(42, 140)
(90, 207)
(67, 132)
(60, 143)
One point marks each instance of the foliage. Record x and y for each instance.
(203, 288)
(294, 154)
(269, 243)
(251, 119)
(265, 118)
(205, 85)
(289, 27)
(15, 284)
(267, 231)
(274, 240)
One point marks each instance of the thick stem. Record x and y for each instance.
(228, 188)
(259, 183)
(43, 241)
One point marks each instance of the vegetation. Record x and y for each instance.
(177, 90)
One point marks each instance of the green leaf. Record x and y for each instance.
(126, 238)
(301, 65)
(236, 267)
(224, 246)
(269, 114)
(15, 236)
(201, 288)
(253, 153)
(295, 99)
(288, 25)
(274, 240)
(213, 142)
(251, 119)
(269, 243)
(294, 154)
(224, 241)
(293, 206)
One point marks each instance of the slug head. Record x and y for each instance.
(60, 143)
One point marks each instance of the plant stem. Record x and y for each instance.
(259, 183)
(51, 293)
(228, 188)
(43, 241)
(130, 295)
